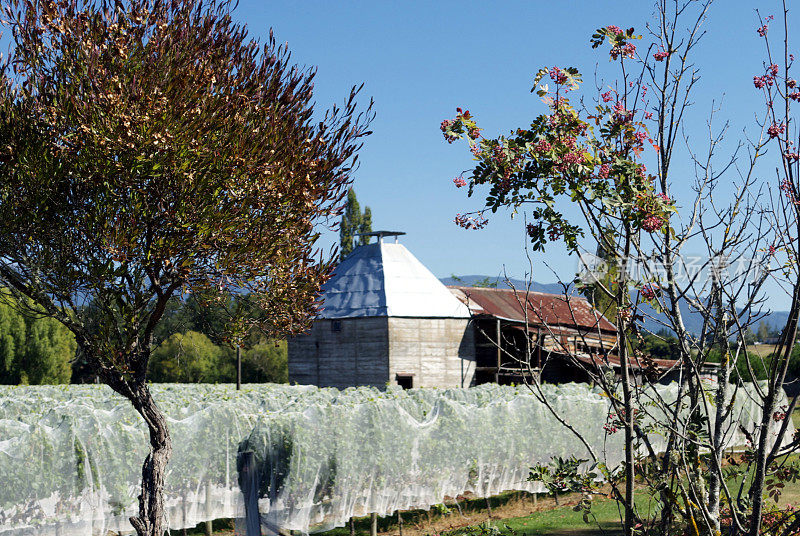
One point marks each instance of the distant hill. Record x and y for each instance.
(519, 284)
(692, 318)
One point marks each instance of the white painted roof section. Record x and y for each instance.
(387, 280)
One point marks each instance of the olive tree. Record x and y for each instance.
(150, 149)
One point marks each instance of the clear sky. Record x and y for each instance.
(420, 60)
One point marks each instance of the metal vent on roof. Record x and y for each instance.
(381, 234)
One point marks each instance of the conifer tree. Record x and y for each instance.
(365, 227)
(353, 223)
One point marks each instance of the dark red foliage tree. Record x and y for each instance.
(149, 149)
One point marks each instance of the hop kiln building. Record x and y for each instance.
(386, 319)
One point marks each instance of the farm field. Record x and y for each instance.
(763, 350)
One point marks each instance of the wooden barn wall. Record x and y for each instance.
(356, 355)
(438, 352)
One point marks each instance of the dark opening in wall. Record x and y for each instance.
(406, 381)
(336, 325)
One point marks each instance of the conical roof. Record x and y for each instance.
(384, 279)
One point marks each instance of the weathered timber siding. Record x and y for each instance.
(356, 355)
(438, 352)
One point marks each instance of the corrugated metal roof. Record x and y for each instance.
(384, 279)
(543, 309)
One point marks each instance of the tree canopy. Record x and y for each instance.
(149, 149)
(33, 349)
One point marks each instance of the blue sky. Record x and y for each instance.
(420, 60)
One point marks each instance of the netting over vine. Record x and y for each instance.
(70, 456)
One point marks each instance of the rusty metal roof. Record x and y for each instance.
(543, 309)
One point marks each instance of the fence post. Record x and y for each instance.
(209, 522)
(373, 525)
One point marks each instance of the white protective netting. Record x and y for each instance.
(70, 456)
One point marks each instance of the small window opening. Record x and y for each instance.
(406, 381)
(336, 325)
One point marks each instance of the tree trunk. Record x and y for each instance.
(757, 486)
(150, 521)
(718, 441)
(627, 404)
(238, 367)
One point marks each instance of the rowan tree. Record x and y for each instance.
(149, 149)
(601, 174)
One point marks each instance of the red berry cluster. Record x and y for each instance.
(445, 128)
(762, 30)
(557, 75)
(652, 223)
(788, 191)
(554, 232)
(610, 428)
(621, 115)
(661, 55)
(650, 291)
(628, 50)
(780, 415)
(768, 79)
(775, 130)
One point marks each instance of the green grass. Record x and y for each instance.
(564, 520)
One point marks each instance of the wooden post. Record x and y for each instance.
(400, 522)
(209, 522)
(238, 367)
(499, 354)
(539, 350)
(373, 525)
(488, 503)
(352, 527)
